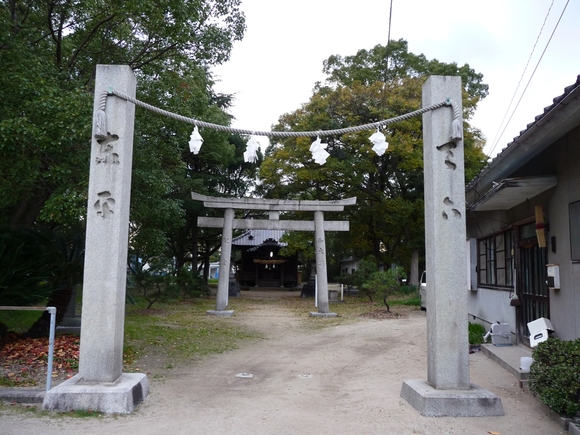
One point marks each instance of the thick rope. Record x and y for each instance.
(101, 127)
(457, 124)
(279, 134)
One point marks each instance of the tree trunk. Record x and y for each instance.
(414, 278)
(387, 304)
(60, 299)
(27, 211)
(194, 247)
(206, 261)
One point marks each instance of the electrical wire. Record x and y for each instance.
(496, 138)
(531, 77)
(388, 40)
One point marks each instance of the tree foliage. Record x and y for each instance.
(388, 219)
(49, 50)
(383, 283)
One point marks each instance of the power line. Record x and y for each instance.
(498, 136)
(386, 71)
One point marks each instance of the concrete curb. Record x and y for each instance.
(20, 395)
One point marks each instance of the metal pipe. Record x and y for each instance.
(51, 334)
(52, 311)
(316, 291)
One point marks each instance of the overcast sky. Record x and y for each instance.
(273, 70)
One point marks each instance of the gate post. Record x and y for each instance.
(225, 259)
(100, 384)
(321, 273)
(447, 391)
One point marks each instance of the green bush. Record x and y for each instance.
(476, 333)
(555, 375)
(383, 284)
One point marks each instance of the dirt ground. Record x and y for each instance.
(342, 379)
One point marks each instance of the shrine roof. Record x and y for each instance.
(257, 237)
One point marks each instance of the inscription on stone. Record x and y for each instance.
(106, 150)
(104, 205)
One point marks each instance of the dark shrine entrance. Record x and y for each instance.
(261, 264)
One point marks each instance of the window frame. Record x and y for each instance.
(496, 259)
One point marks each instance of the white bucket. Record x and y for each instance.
(525, 363)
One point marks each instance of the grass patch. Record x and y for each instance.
(409, 300)
(180, 331)
(19, 321)
(83, 414)
(476, 333)
(348, 311)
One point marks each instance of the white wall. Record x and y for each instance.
(487, 306)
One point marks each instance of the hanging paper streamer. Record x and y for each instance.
(380, 145)
(319, 154)
(250, 155)
(195, 141)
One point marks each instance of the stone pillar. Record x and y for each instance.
(225, 258)
(445, 241)
(321, 276)
(100, 384)
(447, 391)
(105, 275)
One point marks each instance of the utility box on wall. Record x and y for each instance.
(553, 274)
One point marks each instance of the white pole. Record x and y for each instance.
(342, 292)
(316, 291)
(52, 311)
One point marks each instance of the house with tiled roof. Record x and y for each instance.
(523, 227)
(260, 263)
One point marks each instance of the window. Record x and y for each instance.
(574, 209)
(495, 260)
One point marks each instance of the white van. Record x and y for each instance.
(423, 290)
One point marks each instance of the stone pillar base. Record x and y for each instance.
(119, 397)
(429, 402)
(221, 313)
(317, 314)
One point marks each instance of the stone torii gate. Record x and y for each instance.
(274, 206)
(102, 386)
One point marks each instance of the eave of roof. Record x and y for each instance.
(513, 191)
(257, 237)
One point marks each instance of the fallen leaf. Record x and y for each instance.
(490, 432)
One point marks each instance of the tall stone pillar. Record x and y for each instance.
(225, 258)
(321, 273)
(445, 241)
(447, 391)
(105, 275)
(100, 384)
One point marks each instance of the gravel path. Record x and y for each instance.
(337, 380)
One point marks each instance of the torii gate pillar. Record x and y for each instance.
(100, 384)
(321, 277)
(447, 391)
(225, 266)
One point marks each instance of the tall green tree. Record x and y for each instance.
(388, 219)
(49, 50)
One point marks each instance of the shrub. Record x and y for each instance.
(555, 375)
(476, 333)
(383, 284)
